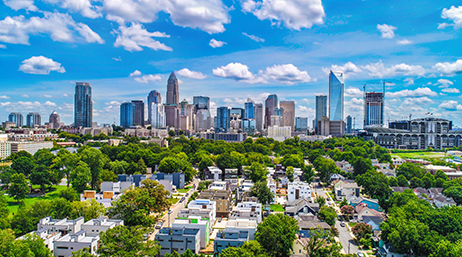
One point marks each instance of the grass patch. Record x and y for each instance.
(174, 200)
(183, 190)
(420, 155)
(52, 194)
(277, 207)
(352, 224)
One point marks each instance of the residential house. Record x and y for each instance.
(399, 189)
(177, 178)
(247, 210)
(271, 184)
(370, 203)
(95, 226)
(72, 242)
(346, 189)
(344, 166)
(362, 210)
(443, 201)
(179, 240)
(63, 226)
(299, 247)
(374, 221)
(387, 250)
(248, 225)
(49, 237)
(376, 163)
(104, 198)
(297, 190)
(135, 178)
(229, 238)
(195, 222)
(219, 185)
(309, 222)
(206, 209)
(223, 199)
(301, 206)
(213, 173)
(116, 187)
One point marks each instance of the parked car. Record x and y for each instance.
(186, 195)
(182, 199)
(159, 224)
(342, 224)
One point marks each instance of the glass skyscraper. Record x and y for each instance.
(201, 102)
(127, 111)
(138, 118)
(301, 124)
(321, 110)
(17, 118)
(154, 97)
(201, 106)
(271, 103)
(373, 111)
(249, 110)
(83, 106)
(336, 94)
(33, 118)
(223, 120)
(259, 118)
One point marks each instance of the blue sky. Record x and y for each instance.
(230, 51)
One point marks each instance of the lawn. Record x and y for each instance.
(352, 224)
(174, 200)
(54, 193)
(183, 190)
(277, 207)
(420, 155)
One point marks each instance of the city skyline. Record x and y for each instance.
(418, 53)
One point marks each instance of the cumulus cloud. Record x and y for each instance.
(444, 83)
(293, 14)
(135, 73)
(4, 97)
(305, 111)
(421, 91)
(410, 81)
(206, 15)
(306, 100)
(353, 92)
(2, 46)
(386, 30)
(448, 68)
(40, 65)
(61, 27)
(84, 7)
(379, 70)
(254, 38)
(21, 4)
(148, 78)
(287, 74)
(25, 95)
(133, 38)
(417, 101)
(404, 42)
(347, 69)
(117, 59)
(450, 106)
(215, 43)
(454, 14)
(191, 74)
(49, 104)
(450, 90)
(237, 71)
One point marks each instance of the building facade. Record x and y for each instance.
(33, 119)
(54, 121)
(349, 124)
(321, 110)
(271, 103)
(301, 124)
(336, 96)
(249, 109)
(5, 146)
(157, 119)
(173, 99)
(138, 112)
(154, 97)
(259, 117)
(83, 105)
(201, 110)
(178, 240)
(223, 120)
(373, 109)
(17, 118)
(288, 116)
(127, 114)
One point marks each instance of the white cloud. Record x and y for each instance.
(454, 14)
(237, 71)
(254, 38)
(450, 106)
(450, 90)
(135, 73)
(353, 92)
(61, 27)
(118, 59)
(293, 14)
(404, 42)
(417, 101)
(25, 96)
(287, 74)
(448, 68)
(134, 37)
(47, 96)
(305, 111)
(421, 91)
(379, 70)
(2, 46)
(306, 100)
(84, 7)
(49, 104)
(148, 78)
(191, 74)
(206, 15)
(21, 4)
(347, 69)
(444, 83)
(4, 97)
(40, 65)
(214, 43)
(65, 95)
(410, 81)
(386, 30)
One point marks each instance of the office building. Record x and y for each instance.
(276, 120)
(173, 99)
(138, 112)
(30, 146)
(301, 124)
(17, 118)
(279, 133)
(33, 119)
(321, 110)
(373, 109)
(336, 96)
(5, 146)
(227, 137)
(238, 112)
(186, 117)
(248, 126)
(349, 124)
(202, 111)
(201, 102)
(249, 109)
(288, 115)
(157, 118)
(271, 103)
(223, 120)
(54, 121)
(178, 240)
(328, 127)
(83, 105)
(154, 97)
(259, 117)
(127, 114)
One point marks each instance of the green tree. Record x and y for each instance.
(262, 192)
(393, 182)
(290, 173)
(250, 248)
(276, 234)
(171, 133)
(85, 252)
(41, 176)
(89, 209)
(4, 213)
(122, 241)
(61, 208)
(26, 218)
(325, 168)
(343, 202)
(402, 181)
(65, 162)
(410, 170)
(256, 172)
(455, 192)
(80, 177)
(375, 184)
(24, 165)
(170, 165)
(69, 194)
(29, 246)
(320, 200)
(328, 215)
(119, 167)
(361, 230)
(428, 180)
(109, 175)
(19, 188)
(441, 174)
(322, 244)
(95, 161)
(308, 173)
(361, 165)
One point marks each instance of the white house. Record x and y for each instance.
(70, 243)
(272, 186)
(198, 223)
(116, 187)
(247, 210)
(298, 190)
(64, 226)
(95, 226)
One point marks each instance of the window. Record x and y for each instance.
(62, 247)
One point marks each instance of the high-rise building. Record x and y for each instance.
(238, 112)
(373, 109)
(321, 110)
(349, 123)
(249, 109)
(259, 117)
(54, 121)
(173, 99)
(186, 116)
(301, 124)
(33, 118)
(271, 104)
(202, 111)
(201, 102)
(288, 116)
(223, 120)
(138, 113)
(127, 114)
(17, 118)
(83, 106)
(154, 97)
(248, 126)
(336, 96)
(157, 116)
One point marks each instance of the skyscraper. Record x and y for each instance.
(373, 109)
(138, 113)
(83, 106)
(223, 120)
(271, 104)
(336, 95)
(349, 123)
(33, 118)
(321, 110)
(17, 118)
(186, 116)
(127, 114)
(201, 102)
(157, 116)
(202, 111)
(154, 97)
(288, 116)
(173, 99)
(249, 109)
(301, 124)
(259, 118)
(54, 121)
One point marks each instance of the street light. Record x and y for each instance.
(169, 212)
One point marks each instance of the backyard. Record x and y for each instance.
(53, 193)
(277, 208)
